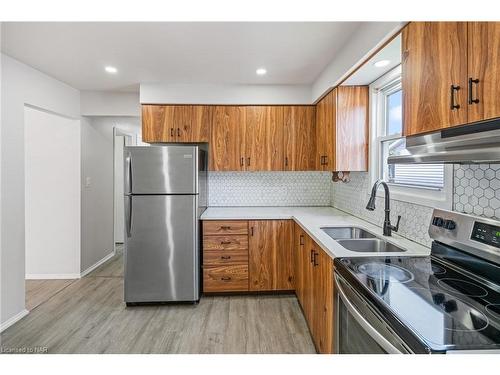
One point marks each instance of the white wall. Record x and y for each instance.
(102, 103)
(224, 94)
(52, 195)
(369, 37)
(98, 196)
(21, 85)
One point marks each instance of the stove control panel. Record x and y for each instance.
(443, 223)
(486, 233)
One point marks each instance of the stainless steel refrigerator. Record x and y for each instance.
(165, 195)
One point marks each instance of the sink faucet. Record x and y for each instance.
(388, 227)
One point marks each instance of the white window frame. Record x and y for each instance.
(439, 198)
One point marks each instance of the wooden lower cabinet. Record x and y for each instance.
(315, 289)
(225, 256)
(226, 278)
(270, 250)
(322, 321)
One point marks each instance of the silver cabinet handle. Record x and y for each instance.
(374, 334)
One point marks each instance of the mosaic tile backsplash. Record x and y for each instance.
(353, 196)
(477, 190)
(269, 188)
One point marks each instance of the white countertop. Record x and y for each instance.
(312, 219)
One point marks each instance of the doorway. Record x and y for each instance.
(52, 203)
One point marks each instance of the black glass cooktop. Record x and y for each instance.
(440, 306)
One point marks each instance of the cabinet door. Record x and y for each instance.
(193, 123)
(307, 279)
(299, 138)
(264, 138)
(325, 132)
(484, 70)
(434, 71)
(227, 139)
(352, 129)
(157, 123)
(323, 301)
(271, 255)
(299, 249)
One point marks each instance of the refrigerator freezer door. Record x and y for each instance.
(161, 249)
(161, 170)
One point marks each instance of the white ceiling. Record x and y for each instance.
(369, 73)
(166, 52)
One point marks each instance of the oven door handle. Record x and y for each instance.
(374, 334)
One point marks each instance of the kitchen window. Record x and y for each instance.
(428, 184)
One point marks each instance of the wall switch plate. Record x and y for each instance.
(88, 181)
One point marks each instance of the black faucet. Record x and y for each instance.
(388, 227)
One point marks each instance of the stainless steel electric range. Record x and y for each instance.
(448, 302)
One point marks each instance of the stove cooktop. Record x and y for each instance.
(439, 305)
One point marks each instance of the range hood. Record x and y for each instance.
(468, 144)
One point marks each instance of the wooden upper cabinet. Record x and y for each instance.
(264, 138)
(434, 76)
(325, 131)
(176, 123)
(227, 139)
(299, 138)
(351, 129)
(195, 123)
(270, 255)
(157, 123)
(484, 70)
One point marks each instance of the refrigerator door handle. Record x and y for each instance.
(128, 174)
(128, 215)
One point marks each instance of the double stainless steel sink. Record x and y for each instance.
(359, 240)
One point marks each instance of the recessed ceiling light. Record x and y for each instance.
(261, 71)
(111, 69)
(382, 63)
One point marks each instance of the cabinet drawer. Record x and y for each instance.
(219, 258)
(239, 242)
(225, 279)
(211, 228)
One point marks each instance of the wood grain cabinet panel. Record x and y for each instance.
(434, 76)
(157, 123)
(299, 249)
(227, 139)
(232, 242)
(271, 264)
(325, 132)
(323, 301)
(196, 127)
(299, 138)
(225, 257)
(352, 129)
(225, 279)
(224, 227)
(264, 138)
(484, 70)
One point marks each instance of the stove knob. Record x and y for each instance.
(438, 298)
(438, 221)
(449, 224)
(450, 306)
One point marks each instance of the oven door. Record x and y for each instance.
(359, 329)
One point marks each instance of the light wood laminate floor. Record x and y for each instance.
(89, 316)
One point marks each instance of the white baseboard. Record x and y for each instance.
(14, 319)
(50, 276)
(94, 266)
